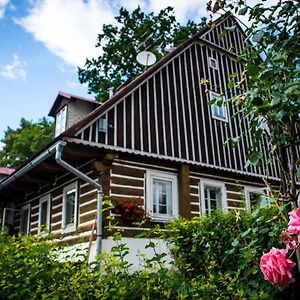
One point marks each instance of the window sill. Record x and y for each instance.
(68, 229)
(162, 219)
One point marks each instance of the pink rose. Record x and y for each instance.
(276, 268)
(294, 223)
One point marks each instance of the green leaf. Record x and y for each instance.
(243, 11)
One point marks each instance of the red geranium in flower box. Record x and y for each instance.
(131, 210)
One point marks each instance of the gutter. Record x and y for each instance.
(44, 155)
(65, 165)
(57, 149)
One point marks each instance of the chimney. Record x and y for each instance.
(110, 92)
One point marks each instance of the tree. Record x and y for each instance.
(22, 143)
(120, 44)
(270, 89)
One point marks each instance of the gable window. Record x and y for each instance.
(162, 199)
(218, 112)
(102, 124)
(44, 214)
(25, 219)
(213, 63)
(254, 196)
(70, 206)
(212, 195)
(61, 121)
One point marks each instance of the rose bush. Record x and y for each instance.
(276, 268)
(276, 265)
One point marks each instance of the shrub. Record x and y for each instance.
(225, 248)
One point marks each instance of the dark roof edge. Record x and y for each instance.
(69, 96)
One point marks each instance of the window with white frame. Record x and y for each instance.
(25, 219)
(162, 195)
(213, 63)
(61, 121)
(44, 214)
(70, 206)
(255, 196)
(212, 195)
(218, 112)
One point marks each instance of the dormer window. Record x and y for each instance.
(213, 63)
(61, 121)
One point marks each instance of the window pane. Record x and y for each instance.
(162, 197)
(24, 220)
(212, 198)
(70, 207)
(44, 213)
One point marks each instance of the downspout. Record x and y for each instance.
(84, 177)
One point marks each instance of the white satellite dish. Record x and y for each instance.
(146, 58)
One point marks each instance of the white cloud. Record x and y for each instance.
(15, 70)
(3, 4)
(68, 28)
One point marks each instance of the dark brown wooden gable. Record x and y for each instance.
(168, 115)
(233, 41)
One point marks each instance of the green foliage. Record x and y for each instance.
(269, 87)
(22, 143)
(225, 248)
(122, 42)
(216, 257)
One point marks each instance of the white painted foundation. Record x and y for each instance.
(137, 252)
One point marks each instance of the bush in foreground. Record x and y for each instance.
(216, 257)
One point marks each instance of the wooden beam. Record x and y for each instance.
(184, 191)
(37, 179)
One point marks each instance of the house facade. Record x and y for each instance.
(156, 139)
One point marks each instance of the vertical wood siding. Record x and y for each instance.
(233, 41)
(169, 115)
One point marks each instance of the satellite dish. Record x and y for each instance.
(146, 58)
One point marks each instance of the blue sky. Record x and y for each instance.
(44, 41)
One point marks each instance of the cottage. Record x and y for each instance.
(156, 139)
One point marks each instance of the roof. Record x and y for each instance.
(134, 83)
(6, 171)
(69, 97)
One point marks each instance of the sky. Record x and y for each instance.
(42, 43)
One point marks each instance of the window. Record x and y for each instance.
(255, 196)
(162, 199)
(25, 219)
(218, 112)
(213, 63)
(212, 195)
(70, 209)
(44, 214)
(102, 124)
(61, 121)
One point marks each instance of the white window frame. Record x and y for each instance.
(251, 189)
(25, 207)
(66, 189)
(210, 60)
(60, 126)
(214, 184)
(164, 176)
(213, 95)
(46, 198)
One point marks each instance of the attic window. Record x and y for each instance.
(213, 63)
(102, 125)
(61, 121)
(218, 112)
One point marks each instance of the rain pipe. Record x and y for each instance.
(29, 166)
(59, 148)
